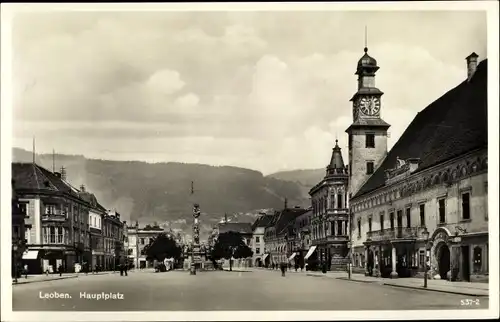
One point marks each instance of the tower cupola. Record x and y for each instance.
(336, 166)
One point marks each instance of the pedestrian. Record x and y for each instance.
(25, 271)
(60, 269)
(283, 269)
(126, 269)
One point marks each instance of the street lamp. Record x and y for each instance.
(425, 233)
(15, 248)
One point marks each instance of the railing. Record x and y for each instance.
(55, 217)
(395, 233)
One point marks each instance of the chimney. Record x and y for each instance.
(82, 188)
(471, 65)
(63, 173)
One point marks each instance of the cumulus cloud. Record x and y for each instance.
(269, 92)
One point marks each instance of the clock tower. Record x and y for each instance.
(368, 132)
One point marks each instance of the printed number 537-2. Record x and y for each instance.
(469, 302)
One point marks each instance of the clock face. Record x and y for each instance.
(369, 105)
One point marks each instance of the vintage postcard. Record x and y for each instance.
(250, 161)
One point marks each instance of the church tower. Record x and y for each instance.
(368, 132)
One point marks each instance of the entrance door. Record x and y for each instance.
(444, 261)
(465, 264)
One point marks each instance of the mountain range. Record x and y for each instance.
(161, 192)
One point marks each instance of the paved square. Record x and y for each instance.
(222, 290)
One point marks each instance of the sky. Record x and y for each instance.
(262, 90)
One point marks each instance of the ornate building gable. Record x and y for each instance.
(443, 174)
(403, 169)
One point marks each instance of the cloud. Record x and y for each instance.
(267, 92)
(187, 101)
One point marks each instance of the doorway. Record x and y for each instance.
(465, 263)
(444, 261)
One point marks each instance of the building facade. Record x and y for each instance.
(279, 235)
(330, 219)
(113, 239)
(138, 239)
(18, 230)
(56, 223)
(258, 243)
(302, 240)
(96, 217)
(433, 180)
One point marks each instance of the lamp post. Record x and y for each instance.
(15, 248)
(425, 234)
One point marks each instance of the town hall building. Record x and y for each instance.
(434, 180)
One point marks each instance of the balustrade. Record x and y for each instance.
(395, 233)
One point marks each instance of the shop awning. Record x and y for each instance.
(291, 257)
(265, 256)
(30, 254)
(310, 251)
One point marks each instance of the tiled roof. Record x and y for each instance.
(243, 228)
(91, 199)
(286, 216)
(262, 221)
(454, 124)
(34, 177)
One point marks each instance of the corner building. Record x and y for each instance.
(330, 216)
(434, 179)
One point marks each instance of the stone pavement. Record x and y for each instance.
(461, 288)
(260, 290)
(53, 277)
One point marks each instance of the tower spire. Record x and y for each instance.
(366, 38)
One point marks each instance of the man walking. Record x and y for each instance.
(283, 269)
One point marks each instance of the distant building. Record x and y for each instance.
(96, 218)
(302, 241)
(279, 233)
(258, 242)
(113, 240)
(138, 238)
(245, 229)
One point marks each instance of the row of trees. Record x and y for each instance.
(229, 245)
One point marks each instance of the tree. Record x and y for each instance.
(230, 245)
(163, 246)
